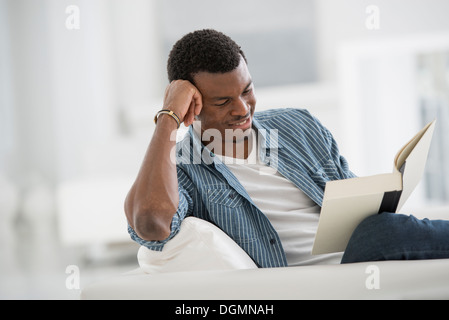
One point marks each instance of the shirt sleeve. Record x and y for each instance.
(184, 209)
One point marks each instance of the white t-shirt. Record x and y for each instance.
(291, 212)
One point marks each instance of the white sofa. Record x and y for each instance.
(203, 263)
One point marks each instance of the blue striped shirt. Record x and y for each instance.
(291, 141)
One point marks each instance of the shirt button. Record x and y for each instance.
(324, 175)
(231, 196)
(272, 241)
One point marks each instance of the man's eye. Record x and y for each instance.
(222, 104)
(247, 91)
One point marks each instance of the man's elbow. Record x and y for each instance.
(151, 228)
(151, 221)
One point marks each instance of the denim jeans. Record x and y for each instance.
(392, 236)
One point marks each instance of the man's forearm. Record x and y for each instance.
(153, 198)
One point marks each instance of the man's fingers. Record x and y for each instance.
(190, 115)
(198, 102)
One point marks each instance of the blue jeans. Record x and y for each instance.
(392, 236)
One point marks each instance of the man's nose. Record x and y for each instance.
(240, 108)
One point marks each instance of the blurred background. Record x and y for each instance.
(80, 82)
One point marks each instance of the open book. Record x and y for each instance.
(347, 202)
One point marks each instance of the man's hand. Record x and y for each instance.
(184, 99)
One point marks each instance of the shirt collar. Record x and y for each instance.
(270, 137)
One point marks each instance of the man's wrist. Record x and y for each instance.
(169, 113)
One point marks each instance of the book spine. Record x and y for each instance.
(390, 201)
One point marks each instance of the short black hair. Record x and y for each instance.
(203, 50)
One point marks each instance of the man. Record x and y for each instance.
(260, 177)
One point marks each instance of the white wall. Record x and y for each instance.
(6, 114)
(30, 95)
(343, 21)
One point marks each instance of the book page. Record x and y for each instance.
(408, 148)
(415, 165)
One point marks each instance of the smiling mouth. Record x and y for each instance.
(240, 123)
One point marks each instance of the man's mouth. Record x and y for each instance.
(241, 123)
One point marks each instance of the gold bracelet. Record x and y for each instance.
(170, 113)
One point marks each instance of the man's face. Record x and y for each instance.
(228, 100)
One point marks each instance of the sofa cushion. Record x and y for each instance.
(199, 245)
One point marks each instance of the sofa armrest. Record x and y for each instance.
(424, 279)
